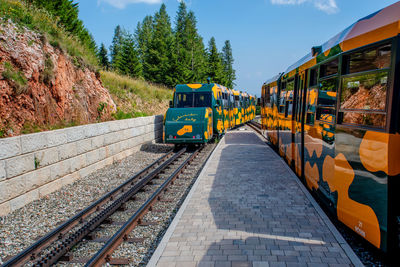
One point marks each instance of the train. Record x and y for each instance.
(334, 116)
(200, 112)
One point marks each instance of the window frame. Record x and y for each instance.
(320, 79)
(287, 100)
(389, 87)
(193, 98)
(309, 88)
(282, 89)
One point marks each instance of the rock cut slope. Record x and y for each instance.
(41, 85)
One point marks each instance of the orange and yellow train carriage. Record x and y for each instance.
(335, 117)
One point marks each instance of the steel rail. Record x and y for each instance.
(30, 252)
(255, 126)
(104, 254)
(73, 238)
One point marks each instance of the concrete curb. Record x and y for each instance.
(342, 242)
(164, 241)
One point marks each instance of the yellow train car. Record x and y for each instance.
(335, 117)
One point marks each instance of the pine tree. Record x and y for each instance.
(197, 52)
(103, 57)
(190, 61)
(227, 60)
(157, 59)
(129, 57)
(181, 63)
(116, 48)
(215, 68)
(143, 36)
(67, 13)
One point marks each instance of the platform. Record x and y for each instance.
(247, 208)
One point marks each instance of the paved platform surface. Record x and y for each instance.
(247, 208)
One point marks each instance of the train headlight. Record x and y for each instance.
(170, 136)
(197, 136)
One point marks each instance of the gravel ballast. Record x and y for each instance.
(24, 226)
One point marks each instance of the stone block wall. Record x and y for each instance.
(34, 165)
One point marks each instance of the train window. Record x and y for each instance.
(202, 100)
(373, 58)
(329, 68)
(326, 109)
(327, 114)
(311, 102)
(274, 97)
(283, 86)
(365, 119)
(282, 102)
(327, 92)
(289, 97)
(290, 85)
(267, 96)
(188, 100)
(299, 96)
(184, 100)
(313, 77)
(364, 92)
(237, 102)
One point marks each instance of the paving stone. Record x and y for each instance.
(249, 210)
(241, 264)
(206, 264)
(317, 265)
(223, 264)
(185, 264)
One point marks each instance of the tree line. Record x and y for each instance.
(67, 13)
(168, 55)
(156, 51)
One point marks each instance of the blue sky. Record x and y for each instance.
(266, 35)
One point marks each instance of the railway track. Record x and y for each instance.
(255, 126)
(107, 224)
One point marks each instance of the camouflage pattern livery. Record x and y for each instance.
(199, 112)
(335, 117)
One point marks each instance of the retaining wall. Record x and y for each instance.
(34, 165)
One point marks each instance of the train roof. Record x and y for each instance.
(207, 87)
(378, 26)
(235, 92)
(273, 79)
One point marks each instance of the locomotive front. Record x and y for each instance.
(189, 120)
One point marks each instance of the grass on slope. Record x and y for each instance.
(135, 97)
(41, 21)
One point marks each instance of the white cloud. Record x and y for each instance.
(121, 4)
(328, 6)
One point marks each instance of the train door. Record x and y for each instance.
(325, 121)
(221, 118)
(363, 148)
(312, 146)
(231, 108)
(285, 135)
(289, 118)
(226, 109)
(281, 117)
(300, 93)
(263, 107)
(272, 114)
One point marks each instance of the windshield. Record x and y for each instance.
(193, 100)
